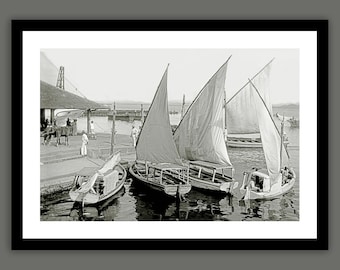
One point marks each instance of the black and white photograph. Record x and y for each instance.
(139, 134)
(136, 139)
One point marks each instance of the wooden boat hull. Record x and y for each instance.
(168, 189)
(222, 184)
(95, 198)
(253, 195)
(207, 185)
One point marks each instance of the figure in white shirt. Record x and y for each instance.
(134, 135)
(85, 140)
(92, 127)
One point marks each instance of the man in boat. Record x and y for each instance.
(256, 182)
(291, 174)
(99, 185)
(287, 175)
(284, 173)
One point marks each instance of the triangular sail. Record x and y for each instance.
(155, 142)
(200, 134)
(241, 115)
(270, 136)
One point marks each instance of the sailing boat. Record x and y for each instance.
(199, 138)
(241, 121)
(158, 164)
(276, 180)
(91, 185)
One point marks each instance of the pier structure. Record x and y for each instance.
(128, 115)
(53, 98)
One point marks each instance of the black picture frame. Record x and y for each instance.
(320, 26)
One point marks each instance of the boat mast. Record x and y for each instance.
(225, 114)
(183, 104)
(141, 113)
(113, 130)
(282, 126)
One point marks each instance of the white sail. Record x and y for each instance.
(200, 134)
(155, 142)
(270, 136)
(241, 113)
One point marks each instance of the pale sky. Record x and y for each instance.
(134, 74)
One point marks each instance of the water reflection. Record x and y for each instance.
(136, 202)
(282, 208)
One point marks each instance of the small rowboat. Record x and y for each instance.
(259, 185)
(92, 185)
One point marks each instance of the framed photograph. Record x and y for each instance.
(170, 135)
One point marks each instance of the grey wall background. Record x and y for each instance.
(158, 9)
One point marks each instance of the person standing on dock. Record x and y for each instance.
(134, 135)
(92, 127)
(85, 140)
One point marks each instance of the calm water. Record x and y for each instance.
(135, 202)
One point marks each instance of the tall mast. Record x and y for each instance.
(141, 114)
(282, 126)
(113, 130)
(225, 112)
(183, 104)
